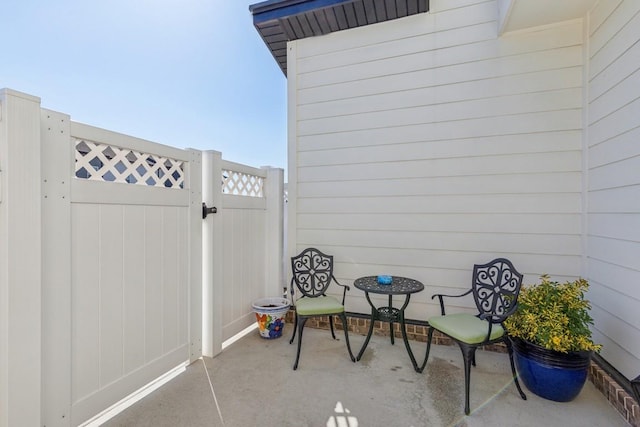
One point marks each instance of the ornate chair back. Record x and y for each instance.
(496, 286)
(312, 272)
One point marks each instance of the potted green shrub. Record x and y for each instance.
(551, 338)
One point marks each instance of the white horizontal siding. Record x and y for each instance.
(445, 167)
(478, 146)
(615, 175)
(622, 146)
(625, 336)
(449, 222)
(615, 200)
(510, 85)
(447, 185)
(564, 99)
(614, 181)
(371, 261)
(615, 36)
(443, 61)
(424, 145)
(447, 241)
(512, 125)
(625, 279)
(524, 73)
(468, 203)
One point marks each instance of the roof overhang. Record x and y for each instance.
(279, 21)
(521, 14)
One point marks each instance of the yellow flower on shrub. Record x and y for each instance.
(554, 316)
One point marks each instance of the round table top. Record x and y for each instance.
(398, 286)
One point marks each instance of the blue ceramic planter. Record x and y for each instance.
(550, 374)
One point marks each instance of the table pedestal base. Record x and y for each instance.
(391, 315)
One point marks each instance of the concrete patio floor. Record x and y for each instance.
(251, 383)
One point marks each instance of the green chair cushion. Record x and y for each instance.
(318, 306)
(465, 327)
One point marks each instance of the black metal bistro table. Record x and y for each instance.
(398, 286)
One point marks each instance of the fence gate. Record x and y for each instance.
(103, 283)
(122, 242)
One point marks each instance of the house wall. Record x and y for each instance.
(613, 243)
(423, 145)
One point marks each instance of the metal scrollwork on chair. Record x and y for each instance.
(313, 271)
(495, 289)
(312, 275)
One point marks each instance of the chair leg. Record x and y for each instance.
(468, 354)
(343, 317)
(300, 328)
(426, 356)
(392, 333)
(295, 328)
(513, 369)
(333, 334)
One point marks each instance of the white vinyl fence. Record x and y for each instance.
(109, 275)
(244, 239)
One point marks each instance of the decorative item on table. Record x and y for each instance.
(385, 280)
(551, 338)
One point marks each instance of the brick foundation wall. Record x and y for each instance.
(613, 392)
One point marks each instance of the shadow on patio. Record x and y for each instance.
(253, 384)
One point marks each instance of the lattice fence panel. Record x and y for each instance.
(242, 184)
(102, 162)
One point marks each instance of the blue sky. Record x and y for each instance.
(186, 73)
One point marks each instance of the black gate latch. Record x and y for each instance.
(206, 210)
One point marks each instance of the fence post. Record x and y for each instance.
(274, 193)
(20, 260)
(57, 166)
(212, 255)
(195, 255)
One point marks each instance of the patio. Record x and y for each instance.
(251, 383)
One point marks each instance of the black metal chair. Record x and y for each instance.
(312, 275)
(495, 289)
